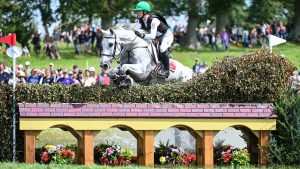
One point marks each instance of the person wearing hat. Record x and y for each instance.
(51, 67)
(88, 79)
(20, 67)
(75, 69)
(21, 77)
(92, 71)
(27, 67)
(157, 29)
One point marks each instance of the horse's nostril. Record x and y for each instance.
(105, 66)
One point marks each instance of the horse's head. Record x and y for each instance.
(111, 47)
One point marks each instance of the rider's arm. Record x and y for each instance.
(154, 24)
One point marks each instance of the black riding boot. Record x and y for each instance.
(165, 61)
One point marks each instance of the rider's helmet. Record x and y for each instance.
(143, 6)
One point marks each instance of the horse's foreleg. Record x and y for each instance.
(114, 71)
(134, 70)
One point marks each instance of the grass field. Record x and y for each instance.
(187, 57)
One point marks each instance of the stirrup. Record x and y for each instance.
(164, 74)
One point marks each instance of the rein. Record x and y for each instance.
(115, 46)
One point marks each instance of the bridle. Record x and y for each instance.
(113, 55)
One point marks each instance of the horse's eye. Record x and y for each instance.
(111, 45)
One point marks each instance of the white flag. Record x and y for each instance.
(274, 40)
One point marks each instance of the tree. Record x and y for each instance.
(16, 17)
(265, 11)
(111, 9)
(176, 7)
(222, 9)
(297, 20)
(44, 6)
(68, 14)
(193, 13)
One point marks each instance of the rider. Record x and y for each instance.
(157, 28)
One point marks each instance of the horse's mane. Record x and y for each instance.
(129, 27)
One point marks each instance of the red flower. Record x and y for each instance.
(70, 153)
(45, 158)
(104, 160)
(116, 162)
(193, 157)
(226, 157)
(64, 154)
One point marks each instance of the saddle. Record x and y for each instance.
(156, 44)
(157, 59)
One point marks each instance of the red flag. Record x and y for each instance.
(10, 39)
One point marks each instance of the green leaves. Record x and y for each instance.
(284, 143)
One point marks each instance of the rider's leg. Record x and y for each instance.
(166, 61)
(165, 55)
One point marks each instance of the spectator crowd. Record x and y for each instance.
(76, 77)
(85, 38)
(236, 34)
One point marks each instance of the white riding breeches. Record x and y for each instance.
(166, 41)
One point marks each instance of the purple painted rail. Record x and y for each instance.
(148, 110)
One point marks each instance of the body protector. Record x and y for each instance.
(162, 27)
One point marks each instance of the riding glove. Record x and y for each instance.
(139, 34)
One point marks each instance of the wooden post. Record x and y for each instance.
(140, 150)
(208, 153)
(145, 148)
(264, 138)
(79, 152)
(88, 147)
(29, 145)
(199, 151)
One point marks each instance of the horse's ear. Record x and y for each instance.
(104, 31)
(111, 30)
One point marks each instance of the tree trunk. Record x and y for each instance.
(297, 20)
(193, 13)
(222, 20)
(45, 25)
(90, 20)
(106, 22)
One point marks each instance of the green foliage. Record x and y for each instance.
(222, 5)
(265, 11)
(284, 143)
(255, 77)
(17, 18)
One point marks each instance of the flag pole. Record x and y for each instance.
(14, 105)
